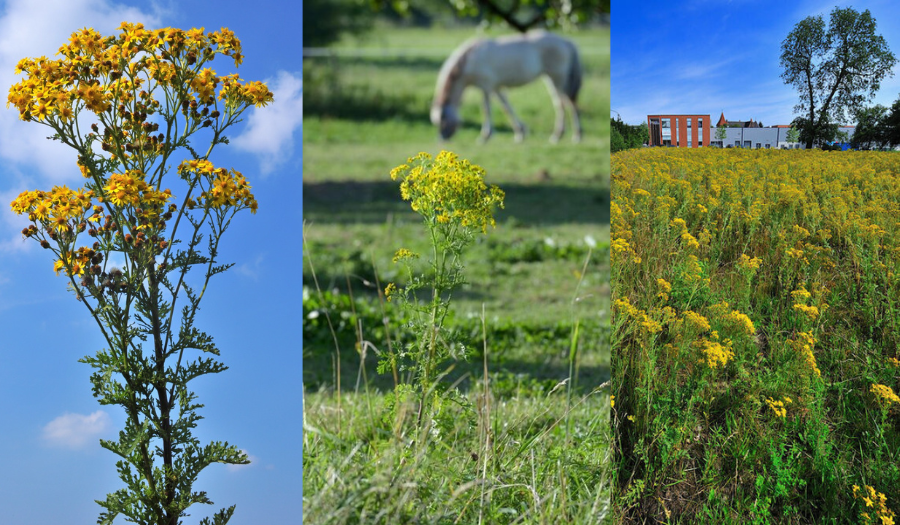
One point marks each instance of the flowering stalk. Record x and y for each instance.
(455, 203)
(150, 93)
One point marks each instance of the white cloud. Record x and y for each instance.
(270, 130)
(253, 461)
(75, 430)
(251, 270)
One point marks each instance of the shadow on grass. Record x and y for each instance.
(327, 95)
(533, 377)
(372, 202)
(396, 62)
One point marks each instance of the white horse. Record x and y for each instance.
(509, 61)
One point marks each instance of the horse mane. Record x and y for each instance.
(451, 71)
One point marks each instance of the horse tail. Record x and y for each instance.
(573, 79)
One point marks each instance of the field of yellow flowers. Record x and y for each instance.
(756, 336)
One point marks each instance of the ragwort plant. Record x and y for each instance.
(456, 205)
(756, 332)
(145, 95)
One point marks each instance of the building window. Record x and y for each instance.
(758, 145)
(768, 146)
(748, 144)
(677, 133)
(737, 144)
(700, 130)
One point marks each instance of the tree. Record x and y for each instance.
(870, 129)
(816, 133)
(835, 68)
(627, 136)
(145, 96)
(891, 124)
(721, 134)
(793, 134)
(520, 15)
(328, 20)
(616, 141)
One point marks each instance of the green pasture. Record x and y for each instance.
(541, 277)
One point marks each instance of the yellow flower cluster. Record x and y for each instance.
(117, 77)
(620, 247)
(60, 209)
(693, 272)
(745, 263)
(390, 291)
(715, 354)
(804, 345)
(130, 189)
(665, 288)
(779, 407)
(741, 320)
(694, 321)
(404, 253)
(884, 395)
(448, 190)
(100, 72)
(226, 187)
(810, 312)
(644, 321)
(877, 501)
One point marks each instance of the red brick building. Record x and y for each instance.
(683, 131)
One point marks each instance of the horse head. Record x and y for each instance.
(446, 118)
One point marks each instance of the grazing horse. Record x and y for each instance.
(508, 61)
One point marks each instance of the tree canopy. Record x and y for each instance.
(626, 136)
(835, 68)
(520, 15)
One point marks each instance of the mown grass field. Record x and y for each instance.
(756, 335)
(531, 440)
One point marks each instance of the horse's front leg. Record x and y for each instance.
(517, 124)
(487, 127)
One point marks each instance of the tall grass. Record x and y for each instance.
(526, 453)
(756, 336)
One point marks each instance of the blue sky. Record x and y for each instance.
(53, 466)
(710, 56)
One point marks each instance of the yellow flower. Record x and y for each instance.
(448, 190)
(884, 394)
(403, 253)
(390, 291)
(777, 407)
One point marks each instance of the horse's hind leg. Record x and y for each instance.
(576, 119)
(518, 126)
(556, 95)
(487, 126)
